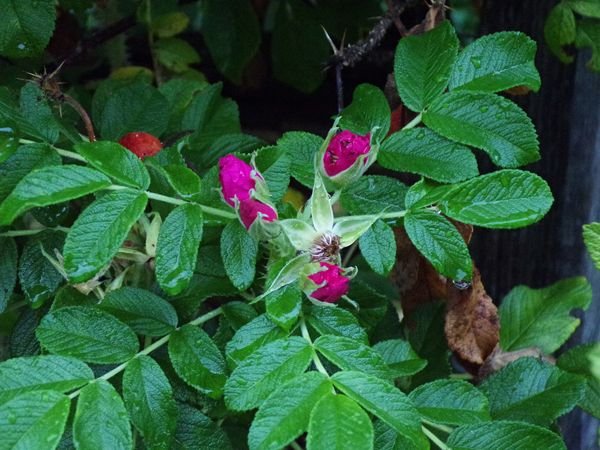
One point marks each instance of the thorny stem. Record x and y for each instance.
(318, 364)
(437, 441)
(89, 128)
(146, 351)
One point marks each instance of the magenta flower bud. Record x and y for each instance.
(343, 151)
(333, 284)
(251, 209)
(236, 178)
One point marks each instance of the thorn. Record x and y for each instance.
(333, 47)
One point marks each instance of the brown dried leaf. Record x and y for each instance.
(472, 326)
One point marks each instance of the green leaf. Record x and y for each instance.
(145, 312)
(175, 54)
(532, 390)
(274, 165)
(497, 62)
(26, 27)
(115, 161)
(384, 401)
(587, 8)
(336, 322)
(502, 199)
(440, 242)
(271, 365)
(250, 337)
(177, 248)
(423, 152)
(101, 420)
(338, 423)
(196, 431)
(239, 251)
(9, 144)
(184, 181)
(120, 108)
(169, 24)
(197, 360)
(578, 360)
(285, 414)
(373, 194)
(453, 402)
(559, 30)
(500, 435)
(425, 193)
(369, 109)
(283, 305)
(36, 111)
(348, 354)
(591, 237)
(486, 121)
(179, 92)
(399, 356)
(8, 270)
(588, 36)
(223, 145)
(232, 34)
(24, 160)
(540, 317)
(39, 373)
(149, 400)
(33, 420)
(88, 334)
(378, 247)
(422, 65)
(386, 438)
(299, 62)
(301, 148)
(39, 279)
(99, 231)
(48, 186)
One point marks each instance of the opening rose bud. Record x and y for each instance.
(251, 209)
(333, 284)
(236, 179)
(343, 151)
(142, 144)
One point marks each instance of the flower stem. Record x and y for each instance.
(318, 364)
(413, 123)
(438, 426)
(437, 441)
(146, 351)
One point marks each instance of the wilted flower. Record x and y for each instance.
(331, 281)
(343, 152)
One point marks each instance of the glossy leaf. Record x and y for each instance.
(48, 186)
(338, 423)
(40, 373)
(532, 390)
(33, 420)
(541, 317)
(336, 322)
(99, 231)
(497, 62)
(423, 152)
(422, 65)
(369, 109)
(271, 365)
(101, 420)
(384, 401)
(285, 414)
(440, 242)
(502, 199)
(26, 28)
(486, 121)
(283, 305)
(177, 248)
(373, 194)
(88, 334)
(145, 312)
(378, 247)
(115, 161)
(399, 356)
(197, 360)
(149, 400)
(239, 251)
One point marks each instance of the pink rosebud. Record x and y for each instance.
(343, 151)
(332, 281)
(250, 210)
(236, 179)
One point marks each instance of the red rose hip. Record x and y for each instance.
(141, 144)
